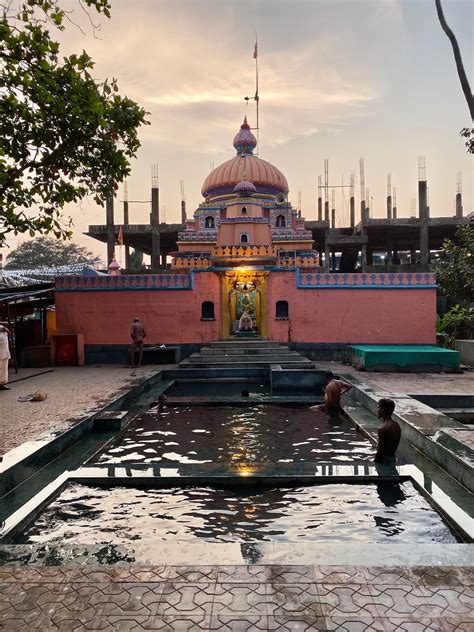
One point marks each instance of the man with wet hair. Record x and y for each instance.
(389, 432)
(138, 335)
(332, 394)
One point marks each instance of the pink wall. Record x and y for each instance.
(374, 316)
(167, 315)
(316, 315)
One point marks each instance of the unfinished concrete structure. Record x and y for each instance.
(373, 244)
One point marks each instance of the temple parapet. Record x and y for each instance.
(380, 280)
(167, 281)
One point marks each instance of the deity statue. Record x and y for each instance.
(245, 322)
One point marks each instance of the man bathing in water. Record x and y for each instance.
(389, 433)
(332, 394)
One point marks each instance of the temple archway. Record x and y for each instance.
(244, 291)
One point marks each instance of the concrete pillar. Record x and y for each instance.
(394, 212)
(423, 209)
(424, 245)
(362, 211)
(413, 259)
(326, 211)
(327, 257)
(389, 207)
(125, 223)
(183, 211)
(424, 214)
(459, 209)
(155, 233)
(320, 209)
(389, 259)
(352, 207)
(155, 206)
(109, 214)
(364, 258)
(333, 218)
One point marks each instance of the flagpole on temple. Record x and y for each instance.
(256, 97)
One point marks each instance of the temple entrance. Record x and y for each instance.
(244, 292)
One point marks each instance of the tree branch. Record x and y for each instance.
(458, 59)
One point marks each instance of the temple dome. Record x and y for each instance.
(244, 187)
(265, 177)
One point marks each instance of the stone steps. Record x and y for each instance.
(233, 351)
(251, 344)
(301, 363)
(246, 354)
(274, 358)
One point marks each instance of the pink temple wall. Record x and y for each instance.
(169, 316)
(393, 316)
(374, 316)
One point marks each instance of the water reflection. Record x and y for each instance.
(332, 513)
(239, 439)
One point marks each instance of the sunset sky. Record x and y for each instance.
(339, 79)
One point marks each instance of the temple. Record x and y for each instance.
(247, 250)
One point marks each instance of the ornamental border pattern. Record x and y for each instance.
(128, 282)
(366, 280)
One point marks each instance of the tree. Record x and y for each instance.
(64, 135)
(49, 252)
(466, 132)
(466, 88)
(455, 273)
(136, 260)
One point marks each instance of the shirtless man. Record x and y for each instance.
(138, 335)
(389, 432)
(332, 394)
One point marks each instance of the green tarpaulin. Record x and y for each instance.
(405, 355)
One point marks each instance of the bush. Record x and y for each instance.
(458, 323)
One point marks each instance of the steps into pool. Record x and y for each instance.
(246, 353)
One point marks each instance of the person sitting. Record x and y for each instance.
(389, 432)
(245, 322)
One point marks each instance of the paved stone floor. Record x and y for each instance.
(72, 394)
(237, 598)
(410, 383)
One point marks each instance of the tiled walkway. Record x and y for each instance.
(240, 598)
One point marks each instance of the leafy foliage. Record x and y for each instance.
(136, 260)
(458, 323)
(468, 134)
(63, 134)
(46, 251)
(455, 272)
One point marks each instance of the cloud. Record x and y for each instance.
(192, 66)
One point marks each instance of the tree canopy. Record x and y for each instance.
(64, 135)
(455, 273)
(48, 252)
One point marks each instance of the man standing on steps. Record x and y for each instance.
(138, 336)
(332, 394)
(389, 433)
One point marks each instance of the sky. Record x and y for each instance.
(338, 79)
